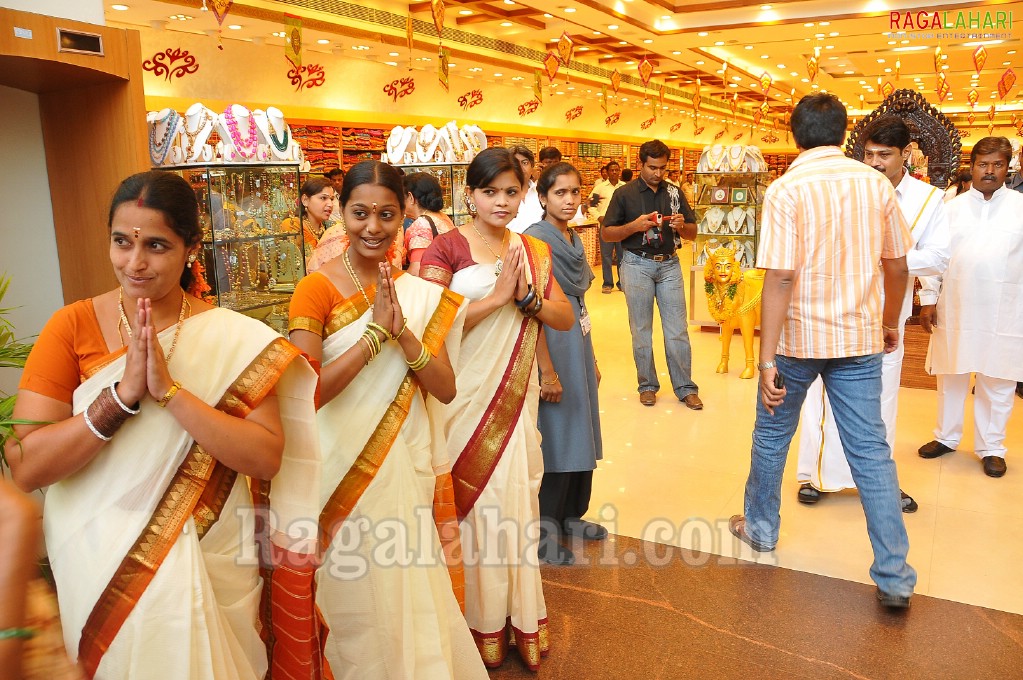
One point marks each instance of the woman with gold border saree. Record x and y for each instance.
(491, 424)
(383, 338)
(148, 441)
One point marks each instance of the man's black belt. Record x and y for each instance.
(662, 257)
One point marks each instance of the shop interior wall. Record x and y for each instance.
(90, 11)
(29, 251)
(353, 93)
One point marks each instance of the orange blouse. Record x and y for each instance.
(69, 350)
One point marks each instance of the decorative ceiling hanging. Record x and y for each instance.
(1006, 82)
(971, 117)
(696, 97)
(937, 59)
(898, 67)
(979, 58)
(565, 47)
(551, 64)
(734, 104)
(811, 66)
(942, 88)
(991, 113)
(616, 81)
(765, 108)
(765, 82)
(437, 8)
(538, 85)
(409, 38)
(972, 97)
(443, 68)
(645, 69)
(887, 89)
(293, 39)
(220, 9)
(603, 98)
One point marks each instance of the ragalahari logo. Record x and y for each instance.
(950, 24)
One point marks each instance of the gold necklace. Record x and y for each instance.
(498, 262)
(191, 136)
(355, 278)
(714, 162)
(186, 307)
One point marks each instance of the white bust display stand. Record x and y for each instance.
(168, 153)
(197, 125)
(227, 149)
(271, 125)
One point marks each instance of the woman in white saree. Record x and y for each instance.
(383, 338)
(491, 424)
(160, 409)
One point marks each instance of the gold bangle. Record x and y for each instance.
(421, 361)
(894, 329)
(404, 325)
(550, 382)
(374, 341)
(367, 353)
(372, 325)
(170, 394)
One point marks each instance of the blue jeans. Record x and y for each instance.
(606, 251)
(854, 386)
(644, 281)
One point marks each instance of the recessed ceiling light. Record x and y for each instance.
(548, 16)
(906, 42)
(509, 2)
(323, 41)
(805, 80)
(518, 78)
(765, 7)
(848, 73)
(1005, 63)
(1011, 52)
(613, 27)
(793, 74)
(824, 23)
(452, 65)
(281, 34)
(181, 17)
(833, 34)
(393, 54)
(944, 67)
(699, 63)
(809, 25)
(647, 41)
(677, 52)
(666, 17)
(736, 77)
(781, 66)
(596, 33)
(506, 24)
(764, 56)
(747, 47)
(863, 82)
(720, 70)
(829, 47)
(719, 43)
(354, 47)
(119, 8)
(498, 75)
(887, 70)
(569, 10)
(818, 35)
(703, 34)
(622, 42)
(391, 63)
(465, 11)
(235, 27)
(630, 63)
(582, 49)
(732, 85)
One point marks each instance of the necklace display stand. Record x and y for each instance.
(400, 143)
(275, 134)
(239, 138)
(164, 128)
(197, 126)
(426, 144)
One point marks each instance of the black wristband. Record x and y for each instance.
(528, 298)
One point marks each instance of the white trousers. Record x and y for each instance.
(992, 406)
(822, 460)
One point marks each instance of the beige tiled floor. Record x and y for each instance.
(672, 475)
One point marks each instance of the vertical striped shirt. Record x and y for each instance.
(831, 220)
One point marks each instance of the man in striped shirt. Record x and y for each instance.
(826, 224)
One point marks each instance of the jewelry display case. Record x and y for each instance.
(728, 207)
(253, 254)
(452, 183)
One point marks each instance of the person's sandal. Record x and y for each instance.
(808, 495)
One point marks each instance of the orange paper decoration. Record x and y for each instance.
(811, 68)
(645, 69)
(937, 59)
(765, 82)
(765, 108)
(734, 104)
(538, 85)
(971, 117)
(565, 47)
(943, 87)
(551, 64)
(887, 89)
(757, 115)
(616, 81)
(991, 113)
(979, 58)
(973, 97)
(437, 7)
(1006, 82)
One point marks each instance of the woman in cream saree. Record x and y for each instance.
(491, 424)
(149, 520)
(384, 588)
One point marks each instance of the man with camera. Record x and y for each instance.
(646, 215)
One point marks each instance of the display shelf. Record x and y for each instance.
(452, 183)
(252, 253)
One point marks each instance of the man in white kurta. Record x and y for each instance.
(978, 321)
(822, 464)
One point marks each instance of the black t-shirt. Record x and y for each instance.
(637, 198)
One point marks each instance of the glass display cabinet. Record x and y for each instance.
(452, 182)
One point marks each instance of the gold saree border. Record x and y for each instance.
(199, 489)
(532, 647)
(306, 323)
(481, 454)
(362, 472)
(435, 274)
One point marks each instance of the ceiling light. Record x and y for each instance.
(596, 33)
(622, 42)
(323, 41)
(354, 47)
(824, 23)
(793, 74)
(1011, 52)
(506, 24)
(700, 63)
(863, 82)
(613, 27)
(281, 34)
(181, 17)
(808, 25)
(518, 78)
(829, 47)
(391, 63)
(818, 35)
(569, 10)
(119, 8)
(548, 16)
(887, 70)
(630, 63)
(720, 70)
(509, 2)
(781, 66)
(917, 79)
(806, 80)
(944, 67)
(748, 47)
(676, 52)
(1005, 63)
(498, 75)
(765, 7)
(764, 56)
(719, 43)
(465, 12)
(911, 48)
(703, 34)
(904, 42)
(736, 77)
(452, 65)
(880, 61)
(732, 85)
(235, 27)
(647, 41)
(393, 54)
(848, 73)
(833, 34)
(582, 49)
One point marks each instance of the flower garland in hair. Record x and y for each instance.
(200, 288)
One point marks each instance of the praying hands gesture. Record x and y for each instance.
(145, 370)
(386, 308)
(511, 282)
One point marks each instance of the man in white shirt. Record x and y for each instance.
(530, 211)
(822, 463)
(977, 323)
(600, 198)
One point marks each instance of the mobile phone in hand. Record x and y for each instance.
(779, 380)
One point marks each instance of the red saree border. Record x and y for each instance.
(199, 489)
(481, 454)
(532, 647)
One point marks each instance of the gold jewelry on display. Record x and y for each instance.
(165, 399)
(550, 382)
(355, 278)
(421, 361)
(504, 247)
